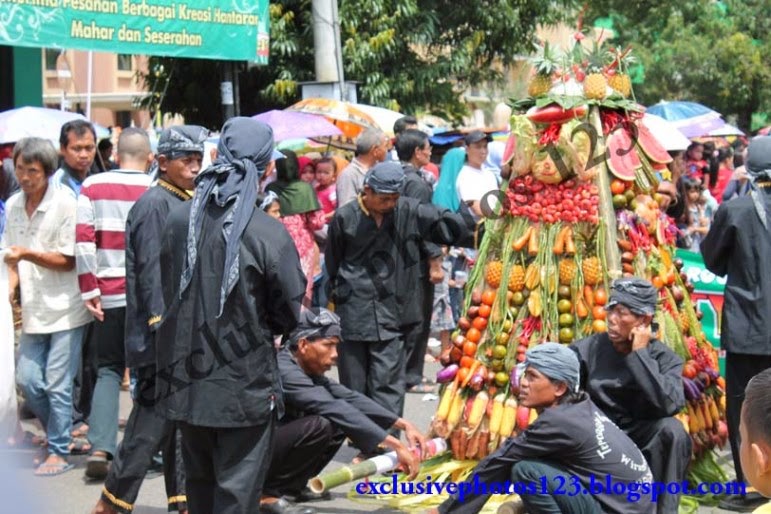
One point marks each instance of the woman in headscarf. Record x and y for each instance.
(445, 194)
(301, 213)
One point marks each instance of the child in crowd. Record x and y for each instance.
(442, 319)
(755, 430)
(307, 169)
(694, 223)
(268, 202)
(326, 190)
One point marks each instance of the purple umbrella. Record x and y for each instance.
(295, 125)
(691, 118)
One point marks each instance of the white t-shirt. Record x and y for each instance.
(50, 300)
(473, 184)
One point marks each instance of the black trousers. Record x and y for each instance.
(374, 369)
(739, 369)
(416, 337)
(667, 448)
(85, 380)
(146, 433)
(226, 467)
(301, 449)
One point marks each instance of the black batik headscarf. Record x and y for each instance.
(639, 295)
(245, 149)
(178, 141)
(758, 167)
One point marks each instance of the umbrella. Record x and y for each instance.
(690, 118)
(24, 122)
(296, 125)
(666, 133)
(346, 116)
(384, 118)
(726, 130)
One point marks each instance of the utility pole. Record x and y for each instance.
(226, 91)
(328, 53)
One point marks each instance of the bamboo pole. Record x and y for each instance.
(606, 210)
(380, 464)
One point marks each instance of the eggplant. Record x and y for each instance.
(514, 380)
(476, 382)
(690, 389)
(713, 375)
(447, 374)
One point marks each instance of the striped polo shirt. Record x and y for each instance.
(100, 243)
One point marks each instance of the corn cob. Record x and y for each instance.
(444, 405)
(496, 416)
(509, 419)
(477, 410)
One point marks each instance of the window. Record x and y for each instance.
(50, 55)
(125, 62)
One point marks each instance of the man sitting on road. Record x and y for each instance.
(560, 461)
(637, 381)
(320, 413)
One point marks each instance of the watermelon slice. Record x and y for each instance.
(510, 148)
(650, 145)
(621, 156)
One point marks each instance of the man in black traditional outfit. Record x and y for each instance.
(178, 161)
(320, 413)
(231, 280)
(414, 151)
(637, 381)
(557, 461)
(373, 258)
(738, 246)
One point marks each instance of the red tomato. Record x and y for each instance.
(480, 322)
(466, 362)
(484, 312)
(469, 349)
(617, 187)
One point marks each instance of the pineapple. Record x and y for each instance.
(591, 270)
(517, 278)
(545, 65)
(493, 273)
(567, 271)
(620, 81)
(595, 82)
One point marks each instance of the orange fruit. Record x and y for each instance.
(463, 374)
(469, 349)
(466, 362)
(617, 187)
(657, 282)
(480, 322)
(484, 312)
(599, 325)
(600, 296)
(598, 312)
(488, 297)
(473, 335)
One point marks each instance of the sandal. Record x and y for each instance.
(79, 446)
(81, 431)
(97, 467)
(52, 469)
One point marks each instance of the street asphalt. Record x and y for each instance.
(70, 493)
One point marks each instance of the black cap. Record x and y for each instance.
(475, 136)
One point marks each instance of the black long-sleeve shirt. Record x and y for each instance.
(738, 247)
(222, 372)
(580, 439)
(144, 297)
(644, 384)
(373, 270)
(357, 416)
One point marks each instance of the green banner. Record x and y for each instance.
(208, 29)
(707, 297)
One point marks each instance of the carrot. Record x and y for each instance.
(471, 372)
(532, 245)
(559, 242)
(570, 244)
(520, 243)
(589, 295)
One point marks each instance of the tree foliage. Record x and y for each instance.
(715, 53)
(409, 55)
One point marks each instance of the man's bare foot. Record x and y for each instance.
(53, 465)
(102, 507)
